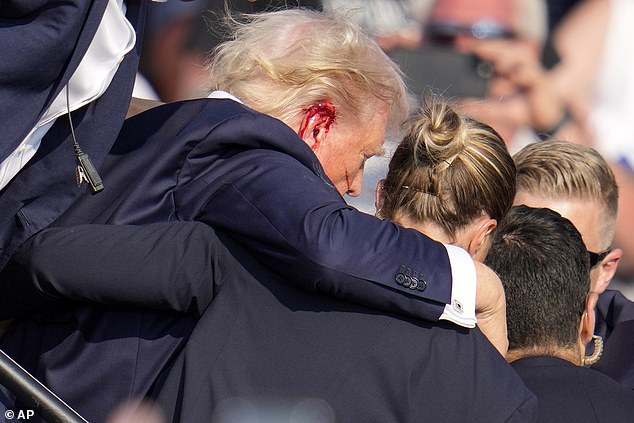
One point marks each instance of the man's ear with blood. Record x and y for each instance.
(316, 123)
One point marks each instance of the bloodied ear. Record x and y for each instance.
(316, 123)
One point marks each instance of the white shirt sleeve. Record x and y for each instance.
(461, 310)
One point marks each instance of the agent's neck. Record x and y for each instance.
(569, 354)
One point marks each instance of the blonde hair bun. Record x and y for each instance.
(448, 169)
(438, 133)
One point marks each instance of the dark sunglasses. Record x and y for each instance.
(445, 32)
(596, 258)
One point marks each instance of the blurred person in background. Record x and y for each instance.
(530, 100)
(446, 64)
(170, 69)
(598, 76)
(392, 23)
(509, 36)
(544, 265)
(178, 38)
(557, 10)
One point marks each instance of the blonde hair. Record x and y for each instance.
(449, 170)
(282, 62)
(556, 169)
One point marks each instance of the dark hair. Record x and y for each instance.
(448, 169)
(543, 264)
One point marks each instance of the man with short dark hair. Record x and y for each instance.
(544, 266)
(577, 182)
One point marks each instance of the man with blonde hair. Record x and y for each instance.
(577, 182)
(308, 99)
(324, 80)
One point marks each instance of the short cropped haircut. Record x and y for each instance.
(544, 267)
(280, 63)
(448, 170)
(559, 169)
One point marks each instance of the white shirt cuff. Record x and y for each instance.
(461, 310)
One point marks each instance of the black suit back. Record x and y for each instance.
(568, 393)
(266, 348)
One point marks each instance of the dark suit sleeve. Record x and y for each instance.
(289, 214)
(615, 323)
(613, 308)
(38, 39)
(162, 266)
(241, 178)
(617, 360)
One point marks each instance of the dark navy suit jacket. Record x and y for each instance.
(612, 310)
(220, 163)
(568, 393)
(217, 162)
(615, 324)
(263, 345)
(268, 349)
(41, 45)
(617, 360)
(96, 356)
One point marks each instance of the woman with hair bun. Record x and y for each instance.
(451, 178)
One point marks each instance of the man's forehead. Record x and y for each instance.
(372, 129)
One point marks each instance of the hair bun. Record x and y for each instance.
(439, 133)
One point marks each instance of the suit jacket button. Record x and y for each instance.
(422, 285)
(400, 278)
(408, 281)
(414, 283)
